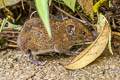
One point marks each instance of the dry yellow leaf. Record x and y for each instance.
(109, 43)
(98, 4)
(94, 50)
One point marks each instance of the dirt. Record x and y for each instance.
(14, 66)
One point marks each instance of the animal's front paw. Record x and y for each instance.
(35, 61)
(38, 63)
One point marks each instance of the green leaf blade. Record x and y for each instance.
(42, 6)
(70, 4)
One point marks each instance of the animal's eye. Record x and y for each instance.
(70, 29)
(83, 32)
(29, 38)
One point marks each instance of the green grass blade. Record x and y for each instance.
(1, 40)
(70, 4)
(42, 6)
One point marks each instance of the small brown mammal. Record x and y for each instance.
(34, 38)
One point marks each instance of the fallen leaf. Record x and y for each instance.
(98, 4)
(10, 25)
(8, 3)
(109, 43)
(87, 5)
(94, 50)
(99, 25)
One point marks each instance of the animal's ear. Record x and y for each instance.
(70, 29)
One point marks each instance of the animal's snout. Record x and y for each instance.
(89, 38)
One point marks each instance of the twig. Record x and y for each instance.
(10, 32)
(18, 17)
(84, 22)
(32, 14)
(116, 33)
(83, 18)
(11, 41)
(23, 5)
(13, 46)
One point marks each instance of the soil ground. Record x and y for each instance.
(13, 66)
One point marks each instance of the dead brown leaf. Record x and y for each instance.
(87, 5)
